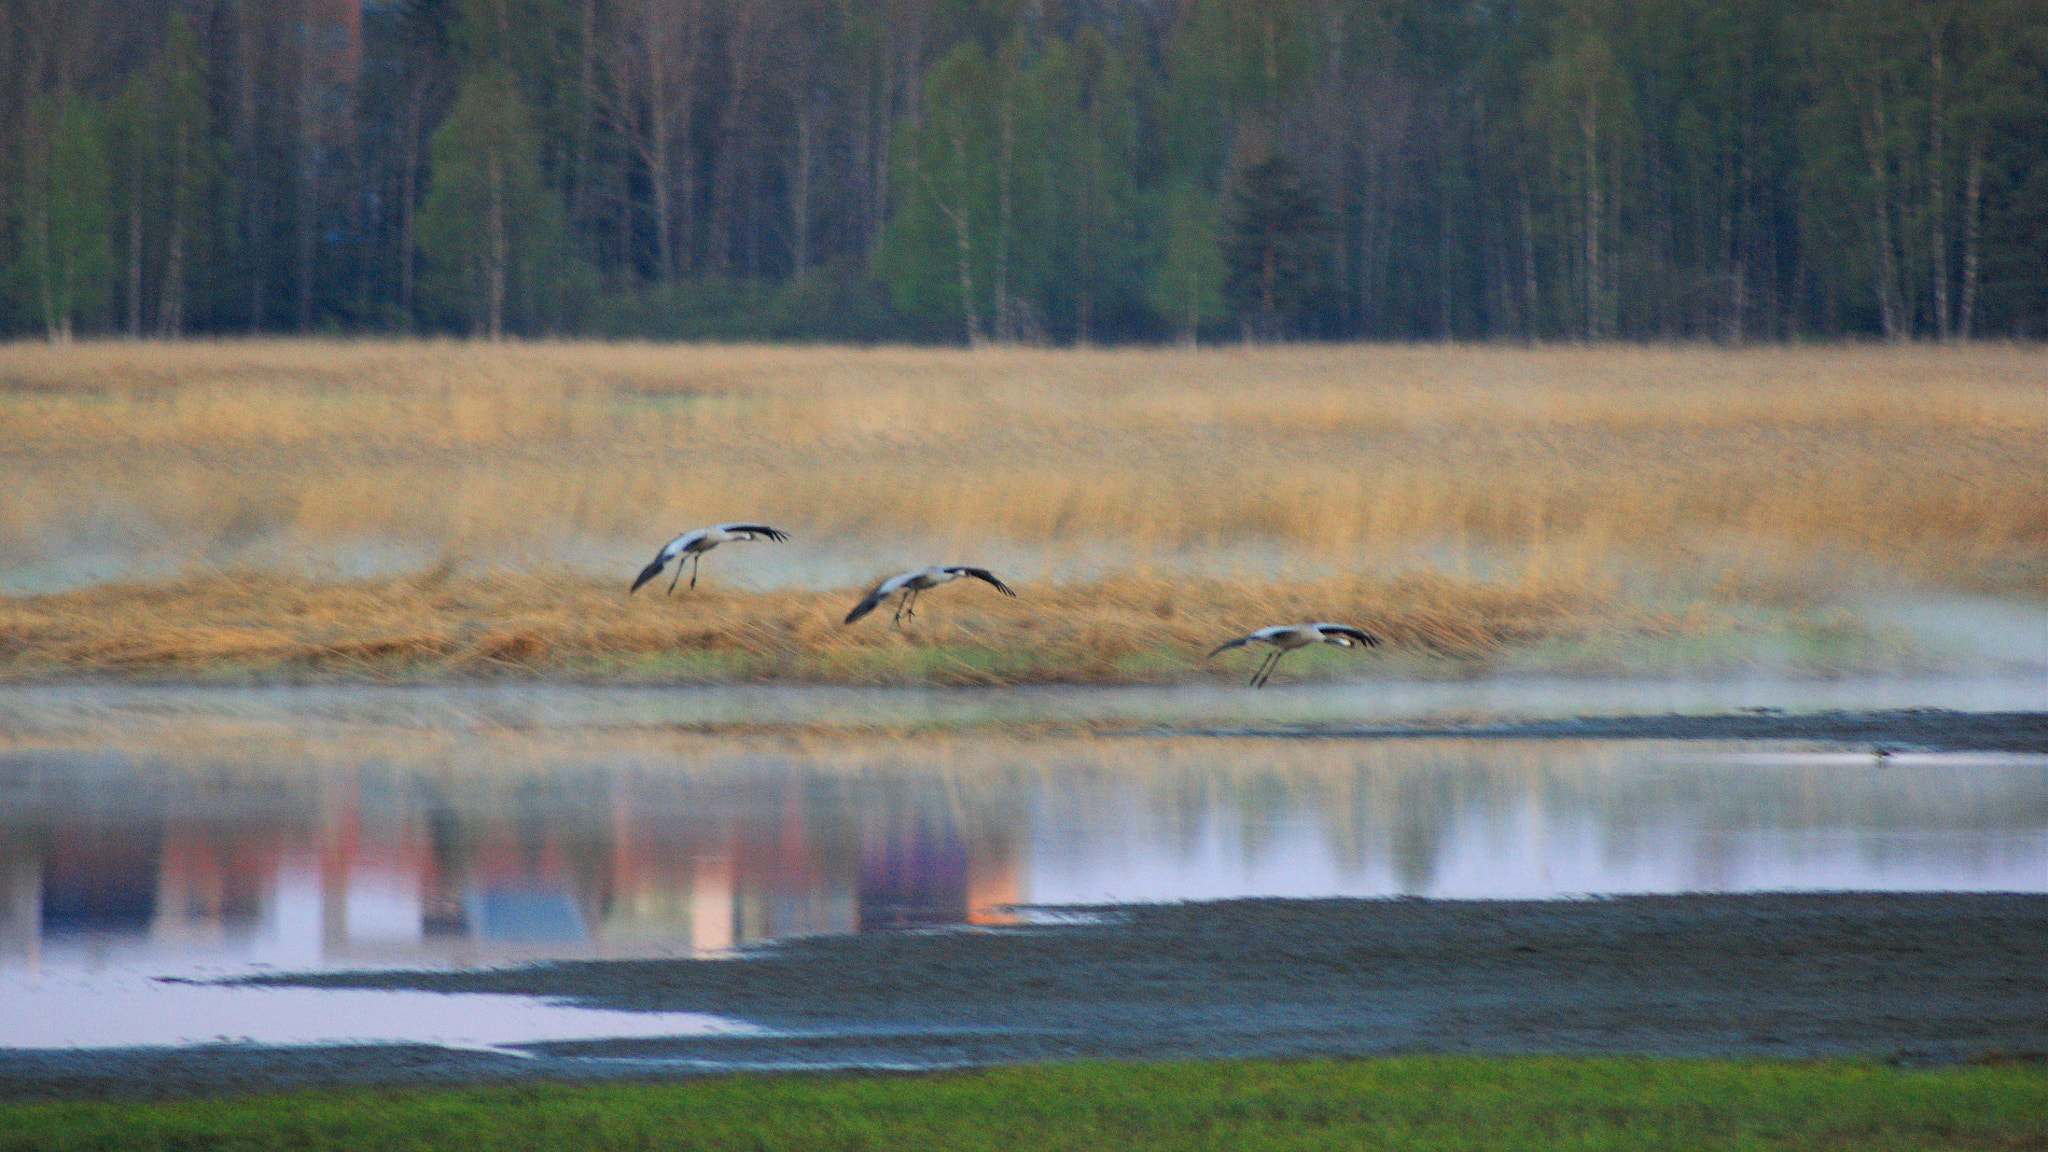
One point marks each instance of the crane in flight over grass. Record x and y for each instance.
(913, 582)
(1286, 638)
(690, 547)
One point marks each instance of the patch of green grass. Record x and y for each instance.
(1439, 1103)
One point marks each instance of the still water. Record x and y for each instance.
(217, 851)
(195, 844)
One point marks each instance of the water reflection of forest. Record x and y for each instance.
(502, 850)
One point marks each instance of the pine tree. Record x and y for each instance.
(1275, 251)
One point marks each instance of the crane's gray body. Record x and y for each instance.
(690, 547)
(910, 584)
(1285, 638)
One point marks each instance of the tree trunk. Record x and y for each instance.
(878, 168)
(800, 192)
(963, 239)
(1973, 188)
(1368, 227)
(1006, 329)
(308, 175)
(170, 313)
(660, 127)
(408, 199)
(260, 236)
(1737, 330)
(1590, 132)
(1269, 272)
(135, 255)
(46, 289)
(1884, 266)
(1445, 320)
(256, 203)
(1937, 205)
(683, 240)
(494, 287)
(658, 176)
(735, 130)
(586, 90)
(1529, 285)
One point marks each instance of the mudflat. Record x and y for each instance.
(1916, 978)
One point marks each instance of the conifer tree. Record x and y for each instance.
(1275, 249)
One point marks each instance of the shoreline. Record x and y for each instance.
(2008, 714)
(1912, 979)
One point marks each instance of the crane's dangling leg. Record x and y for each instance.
(1270, 665)
(902, 602)
(680, 561)
(696, 559)
(1263, 661)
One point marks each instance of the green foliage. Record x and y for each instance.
(1578, 169)
(1187, 278)
(1434, 1103)
(1098, 256)
(1275, 247)
(935, 253)
(62, 273)
(836, 303)
(497, 250)
(170, 179)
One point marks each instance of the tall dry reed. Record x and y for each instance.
(1932, 457)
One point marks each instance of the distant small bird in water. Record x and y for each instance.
(1883, 754)
(691, 547)
(1286, 638)
(913, 582)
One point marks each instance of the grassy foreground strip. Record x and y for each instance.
(1425, 1102)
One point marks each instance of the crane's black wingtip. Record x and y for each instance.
(985, 576)
(646, 574)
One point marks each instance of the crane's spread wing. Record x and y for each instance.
(983, 575)
(668, 552)
(1240, 642)
(757, 529)
(868, 603)
(1358, 634)
(649, 572)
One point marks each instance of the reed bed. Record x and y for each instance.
(437, 625)
(1461, 499)
(1934, 458)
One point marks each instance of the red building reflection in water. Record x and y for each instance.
(356, 870)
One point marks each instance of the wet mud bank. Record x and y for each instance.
(1925, 978)
(1922, 729)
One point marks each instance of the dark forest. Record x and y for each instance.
(1055, 171)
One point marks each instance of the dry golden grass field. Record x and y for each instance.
(1467, 501)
